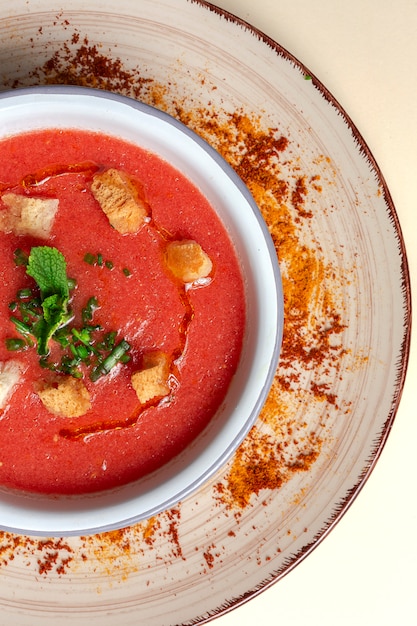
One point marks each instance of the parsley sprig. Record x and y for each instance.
(43, 314)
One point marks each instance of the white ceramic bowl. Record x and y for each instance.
(75, 107)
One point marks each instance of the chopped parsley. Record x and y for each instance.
(42, 314)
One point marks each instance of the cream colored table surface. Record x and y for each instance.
(365, 571)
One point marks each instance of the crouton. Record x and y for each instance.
(28, 216)
(10, 374)
(187, 260)
(119, 199)
(66, 396)
(152, 380)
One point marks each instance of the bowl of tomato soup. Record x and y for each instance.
(141, 311)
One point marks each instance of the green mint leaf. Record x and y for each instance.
(49, 269)
(53, 308)
(55, 315)
(49, 317)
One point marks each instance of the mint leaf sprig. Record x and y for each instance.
(46, 316)
(43, 315)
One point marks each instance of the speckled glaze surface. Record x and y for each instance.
(347, 315)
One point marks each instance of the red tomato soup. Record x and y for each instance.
(141, 355)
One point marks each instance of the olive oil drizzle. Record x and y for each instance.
(38, 178)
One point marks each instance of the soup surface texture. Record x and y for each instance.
(75, 419)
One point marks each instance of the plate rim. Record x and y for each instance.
(344, 505)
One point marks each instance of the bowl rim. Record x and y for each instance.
(27, 513)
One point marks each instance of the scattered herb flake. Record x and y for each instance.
(20, 257)
(90, 258)
(15, 344)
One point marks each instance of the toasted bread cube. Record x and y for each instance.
(187, 260)
(66, 396)
(119, 199)
(28, 216)
(152, 380)
(10, 374)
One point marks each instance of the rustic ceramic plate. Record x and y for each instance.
(347, 314)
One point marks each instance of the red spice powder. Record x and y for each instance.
(48, 555)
